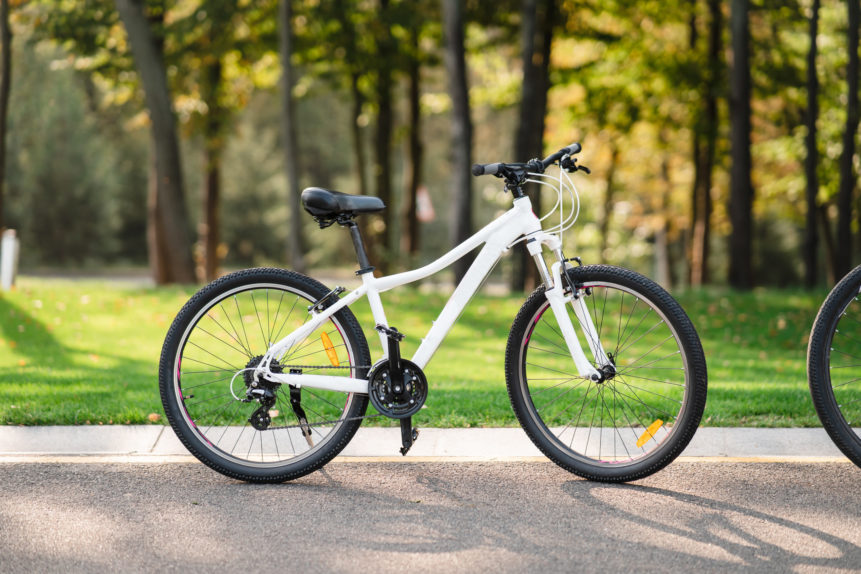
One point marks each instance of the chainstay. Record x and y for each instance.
(330, 422)
(322, 423)
(315, 367)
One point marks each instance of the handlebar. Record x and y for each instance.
(501, 169)
(569, 150)
(485, 169)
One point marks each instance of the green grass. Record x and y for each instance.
(75, 352)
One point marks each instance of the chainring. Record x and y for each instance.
(389, 403)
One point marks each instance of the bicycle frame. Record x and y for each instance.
(498, 236)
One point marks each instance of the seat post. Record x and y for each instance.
(364, 264)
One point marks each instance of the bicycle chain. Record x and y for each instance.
(315, 367)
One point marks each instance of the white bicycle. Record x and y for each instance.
(265, 374)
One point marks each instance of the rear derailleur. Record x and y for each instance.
(264, 392)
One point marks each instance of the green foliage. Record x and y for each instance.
(626, 76)
(68, 175)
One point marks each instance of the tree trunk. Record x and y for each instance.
(663, 258)
(811, 241)
(356, 70)
(847, 175)
(830, 249)
(172, 241)
(154, 226)
(524, 138)
(704, 154)
(211, 208)
(741, 190)
(359, 156)
(5, 89)
(383, 137)
(295, 247)
(461, 129)
(358, 141)
(608, 202)
(695, 251)
(208, 229)
(536, 41)
(414, 166)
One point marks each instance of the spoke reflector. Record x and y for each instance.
(650, 433)
(330, 350)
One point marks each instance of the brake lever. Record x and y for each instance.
(569, 164)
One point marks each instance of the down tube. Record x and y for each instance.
(484, 262)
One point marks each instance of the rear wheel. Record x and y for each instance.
(217, 339)
(834, 365)
(644, 411)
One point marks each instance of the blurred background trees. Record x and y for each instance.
(176, 134)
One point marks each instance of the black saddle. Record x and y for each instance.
(327, 204)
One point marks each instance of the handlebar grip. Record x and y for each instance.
(486, 169)
(572, 149)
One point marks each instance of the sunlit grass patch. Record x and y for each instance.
(80, 352)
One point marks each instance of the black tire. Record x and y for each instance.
(656, 397)
(218, 333)
(834, 365)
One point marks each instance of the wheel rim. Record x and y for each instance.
(630, 416)
(222, 340)
(844, 366)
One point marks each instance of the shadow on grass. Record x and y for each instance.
(26, 335)
(48, 382)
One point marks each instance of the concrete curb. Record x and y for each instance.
(148, 441)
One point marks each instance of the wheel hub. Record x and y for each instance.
(607, 372)
(261, 383)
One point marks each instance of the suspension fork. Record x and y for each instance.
(556, 296)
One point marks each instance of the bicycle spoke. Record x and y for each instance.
(627, 322)
(244, 350)
(220, 340)
(241, 322)
(235, 331)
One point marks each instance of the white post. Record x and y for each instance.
(8, 259)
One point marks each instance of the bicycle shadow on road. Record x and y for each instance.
(422, 517)
(736, 535)
(545, 525)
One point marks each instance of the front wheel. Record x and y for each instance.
(645, 410)
(834, 365)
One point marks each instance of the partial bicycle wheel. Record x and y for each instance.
(834, 365)
(278, 432)
(649, 405)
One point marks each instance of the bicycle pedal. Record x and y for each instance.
(409, 434)
(406, 448)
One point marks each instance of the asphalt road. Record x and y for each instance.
(430, 517)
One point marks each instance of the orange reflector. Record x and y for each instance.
(330, 350)
(650, 432)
